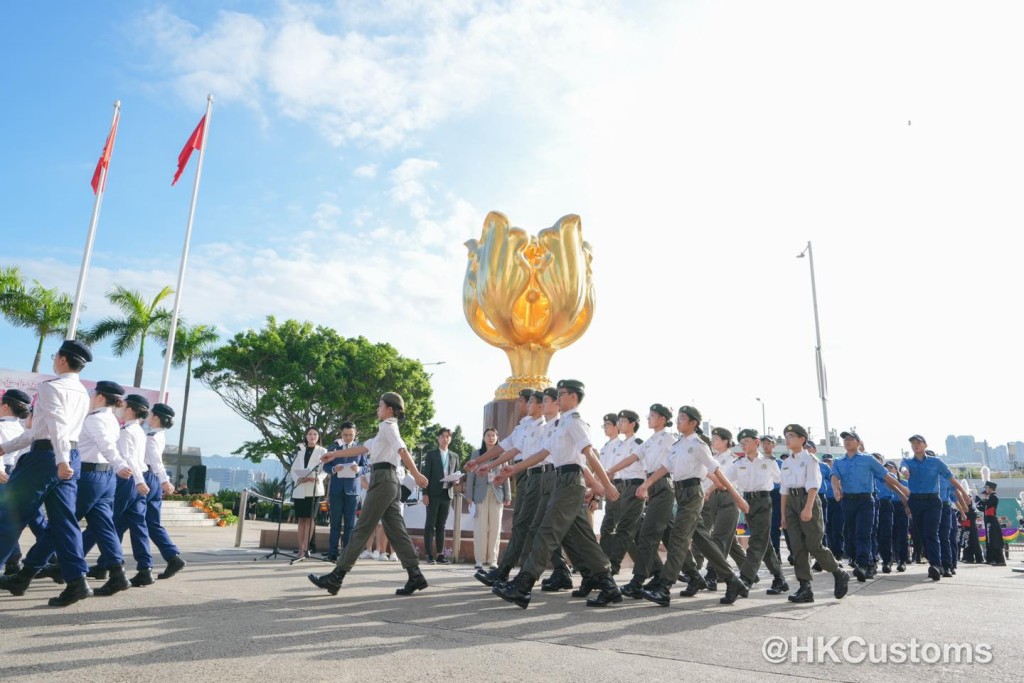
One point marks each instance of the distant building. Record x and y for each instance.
(952, 450)
(229, 479)
(179, 470)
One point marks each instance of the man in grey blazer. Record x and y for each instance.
(489, 501)
(437, 495)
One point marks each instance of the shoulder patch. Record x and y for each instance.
(638, 440)
(557, 421)
(575, 415)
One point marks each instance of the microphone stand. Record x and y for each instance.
(311, 545)
(280, 517)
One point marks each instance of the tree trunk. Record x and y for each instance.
(39, 353)
(138, 364)
(184, 411)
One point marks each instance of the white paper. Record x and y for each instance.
(453, 477)
(347, 471)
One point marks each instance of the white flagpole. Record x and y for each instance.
(184, 254)
(87, 256)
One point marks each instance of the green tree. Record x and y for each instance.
(191, 343)
(290, 376)
(46, 312)
(141, 319)
(428, 441)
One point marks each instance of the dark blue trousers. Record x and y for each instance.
(874, 529)
(343, 511)
(154, 526)
(885, 530)
(900, 544)
(954, 528)
(37, 525)
(926, 513)
(944, 546)
(834, 529)
(34, 483)
(129, 514)
(858, 515)
(95, 504)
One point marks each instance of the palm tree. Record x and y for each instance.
(190, 343)
(46, 311)
(141, 320)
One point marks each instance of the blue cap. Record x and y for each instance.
(75, 348)
(17, 395)
(110, 388)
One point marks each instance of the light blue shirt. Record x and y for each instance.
(444, 461)
(925, 473)
(857, 474)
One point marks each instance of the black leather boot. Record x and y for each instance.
(779, 586)
(842, 583)
(330, 582)
(734, 588)
(804, 593)
(587, 585)
(97, 572)
(560, 579)
(144, 577)
(18, 583)
(694, 584)
(659, 594)
(518, 591)
(174, 565)
(886, 568)
(711, 580)
(608, 594)
(490, 577)
(115, 584)
(860, 573)
(51, 571)
(416, 582)
(76, 590)
(12, 566)
(654, 581)
(633, 589)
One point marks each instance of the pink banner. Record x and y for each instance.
(27, 381)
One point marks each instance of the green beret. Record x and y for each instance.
(394, 400)
(629, 415)
(573, 384)
(692, 412)
(662, 410)
(795, 429)
(722, 433)
(538, 396)
(747, 434)
(551, 392)
(525, 394)
(611, 417)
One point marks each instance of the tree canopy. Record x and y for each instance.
(291, 375)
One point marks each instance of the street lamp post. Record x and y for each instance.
(822, 386)
(764, 423)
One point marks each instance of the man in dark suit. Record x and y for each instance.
(437, 495)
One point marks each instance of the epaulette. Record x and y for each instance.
(639, 440)
(575, 414)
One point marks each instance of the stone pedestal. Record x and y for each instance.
(501, 414)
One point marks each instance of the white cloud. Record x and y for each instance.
(366, 171)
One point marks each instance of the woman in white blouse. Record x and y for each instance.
(308, 477)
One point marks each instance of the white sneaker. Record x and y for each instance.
(375, 555)
(383, 557)
(365, 555)
(394, 557)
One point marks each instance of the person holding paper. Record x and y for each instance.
(344, 489)
(308, 477)
(437, 495)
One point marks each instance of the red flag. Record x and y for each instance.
(195, 141)
(104, 161)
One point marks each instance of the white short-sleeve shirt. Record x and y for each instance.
(690, 458)
(570, 438)
(800, 471)
(654, 452)
(385, 445)
(750, 476)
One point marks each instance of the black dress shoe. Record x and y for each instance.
(12, 567)
(441, 559)
(608, 594)
(803, 594)
(416, 582)
(952, 570)
(901, 567)
(331, 557)
(779, 586)
(559, 580)
(842, 584)
(51, 571)
(946, 574)
(329, 582)
(18, 583)
(174, 565)
(633, 589)
(76, 590)
(861, 574)
(872, 572)
(430, 559)
(97, 572)
(659, 594)
(734, 588)
(144, 577)
(933, 573)
(886, 568)
(587, 585)
(518, 591)
(115, 584)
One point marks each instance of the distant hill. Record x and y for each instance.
(271, 466)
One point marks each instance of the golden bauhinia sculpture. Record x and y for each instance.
(528, 295)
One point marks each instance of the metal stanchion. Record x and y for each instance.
(457, 532)
(243, 504)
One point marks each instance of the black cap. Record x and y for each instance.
(525, 394)
(109, 388)
(767, 438)
(722, 433)
(661, 410)
(692, 412)
(990, 485)
(537, 396)
(629, 415)
(917, 437)
(826, 456)
(611, 417)
(747, 434)
(574, 384)
(796, 429)
(930, 452)
(550, 392)
(849, 435)
(137, 400)
(163, 410)
(76, 349)
(17, 395)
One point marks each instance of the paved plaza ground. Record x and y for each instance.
(230, 617)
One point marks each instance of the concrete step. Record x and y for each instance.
(179, 513)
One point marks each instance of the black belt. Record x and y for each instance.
(857, 496)
(946, 504)
(756, 494)
(563, 469)
(651, 474)
(541, 468)
(631, 482)
(383, 466)
(798, 492)
(96, 467)
(685, 483)
(47, 445)
(924, 496)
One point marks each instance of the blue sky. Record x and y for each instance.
(355, 146)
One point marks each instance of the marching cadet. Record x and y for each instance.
(607, 455)
(888, 500)
(528, 407)
(801, 480)
(720, 514)
(161, 419)
(652, 455)
(130, 495)
(688, 463)
(383, 499)
(48, 475)
(622, 517)
(755, 476)
(768, 449)
(994, 554)
(853, 481)
(924, 475)
(833, 513)
(565, 518)
(15, 406)
(900, 525)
